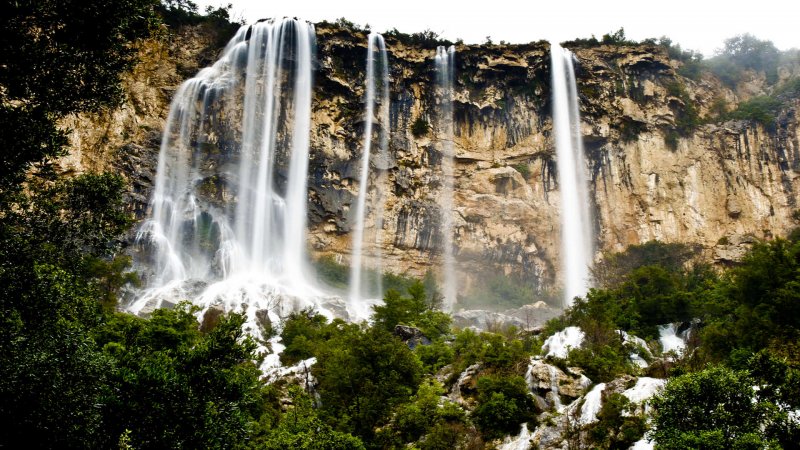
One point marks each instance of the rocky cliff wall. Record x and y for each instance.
(652, 176)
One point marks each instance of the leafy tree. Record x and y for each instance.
(51, 376)
(749, 52)
(302, 333)
(762, 109)
(504, 403)
(417, 310)
(301, 428)
(60, 57)
(415, 420)
(176, 387)
(712, 409)
(756, 305)
(363, 373)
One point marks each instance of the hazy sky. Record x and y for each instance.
(695, 24)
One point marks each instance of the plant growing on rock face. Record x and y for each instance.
(420, 127)
(423, 419)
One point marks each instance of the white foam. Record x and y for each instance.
(559, 344)
(645, 388)
(670, 341)
(592, 403)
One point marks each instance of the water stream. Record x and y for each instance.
(576, 230)
(376, 50)
(445, 73)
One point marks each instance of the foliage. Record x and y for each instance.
(503, 405)
(176, 387)
(416, 310)
(425, 411)
(424, 39)
(629, 130)
(762, 109)
(176, 13)
(68, 55)
(61, 57)
(435, 356)
(420, 127)
(612, 270)
(495, 351)
(756, 305)
(686, 116)
(337, 275)
(714, 408)
(300, 428)
(302, 333)
(616, 38)
(363, 373)
(601, 362)
(331, 272)
(745, 52)
(618, 426)
(523, 169)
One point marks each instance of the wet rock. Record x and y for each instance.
(211, 318)
(412, 336)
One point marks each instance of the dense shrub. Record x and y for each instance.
(504, 404)
(711, 409)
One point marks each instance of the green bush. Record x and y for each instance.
(504, 404)
(302, 332)
(617, 426)
(763, 110)
(362, 374)
(711, 409)
(420, 127)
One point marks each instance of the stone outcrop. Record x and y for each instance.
(720, 185)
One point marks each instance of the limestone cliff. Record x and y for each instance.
(652, 177)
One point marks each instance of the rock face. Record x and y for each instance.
(720, 185)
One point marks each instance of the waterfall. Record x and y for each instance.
(374, 44)
(445, 72)
(228, 222)
(576, 230)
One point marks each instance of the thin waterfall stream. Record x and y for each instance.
(445, 72)
(576, 230)
(375, 45)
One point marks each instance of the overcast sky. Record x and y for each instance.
(695, 24)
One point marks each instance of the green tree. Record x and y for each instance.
(756, 305)
(504, 403)
(175, 387)
(416, 309)
(712, 409)
(363, 373)
(414, 420)
(61, 57)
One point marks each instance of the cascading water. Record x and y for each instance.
(229, 210)
(576, 230)
(375, 45)
(445, 72)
